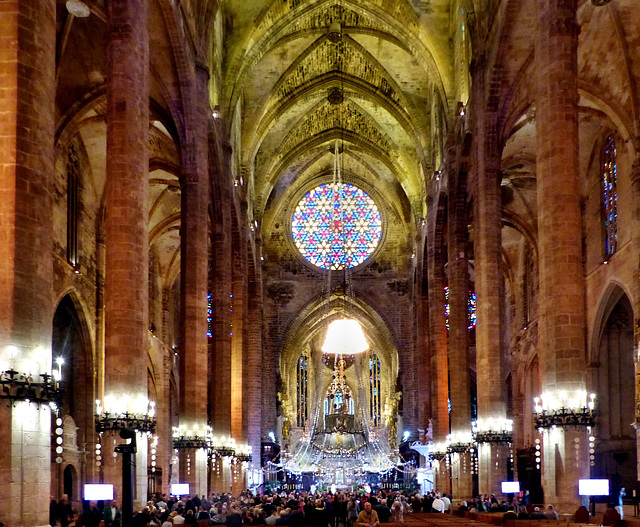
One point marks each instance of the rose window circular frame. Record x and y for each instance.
(336, 226)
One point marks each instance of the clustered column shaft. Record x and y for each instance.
(194, 261)
(492, 457)
(562, 317)
(126, 222)
(27, 85)
(458, 328)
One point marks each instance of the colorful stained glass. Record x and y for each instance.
(610, 196)
(336, 226)
(473, 318)
(209, 315)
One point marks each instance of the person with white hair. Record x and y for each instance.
(438, 504)
(397, 512)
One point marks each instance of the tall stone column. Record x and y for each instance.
(438, 345)
(423, 363)
(458, 330)
(126, 227)
(492, 455)
(239, 362)
(194, 270)
(220, 363)
(562, 317)
(253, 392)
(635, 186)
(27, 85)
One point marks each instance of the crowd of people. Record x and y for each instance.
(294, 509)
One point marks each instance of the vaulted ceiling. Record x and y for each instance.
(301, 75)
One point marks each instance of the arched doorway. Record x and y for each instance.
(615, 455)
(70, 483)
(72, 354)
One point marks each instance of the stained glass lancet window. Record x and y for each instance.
(73, 189)
(209, 315)
(374, 390)
(610, 195)
(302, 404)
(473, 318)
(336, 226)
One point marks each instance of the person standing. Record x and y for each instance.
(112, 515)
(53, 512)
(368, 517)
(65, 511)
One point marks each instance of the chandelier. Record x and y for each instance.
(345, 337)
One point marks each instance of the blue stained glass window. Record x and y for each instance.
(610, 195)
(336, 226)
(473, 318)
(209, 315)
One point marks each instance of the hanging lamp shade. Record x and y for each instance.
(345, 337)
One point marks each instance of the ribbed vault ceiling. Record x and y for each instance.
(300, 89)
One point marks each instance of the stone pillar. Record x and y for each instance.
(459, 329)
(220, 362)
(489, 283)
(194, 284)
(239, 360)
(238, 306)
(126, 222)
(562, 317)
(27, 85)
(635, 186)
(438, 341)
(423, 363)
(253, 393)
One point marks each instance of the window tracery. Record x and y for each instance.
(336, 226)
(73, 175)
(302, 394)
(374, 390)
(610, 195)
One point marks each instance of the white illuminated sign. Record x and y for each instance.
(95, 492)
(593, 487)
(510, 487)
(179, 489)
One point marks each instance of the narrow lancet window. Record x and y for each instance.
(610, 196)
(374, 390)
(72, 207)
(302, 404)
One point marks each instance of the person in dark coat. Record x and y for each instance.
(384, 513)
(92, 516)
(65, 511)
(53, 512)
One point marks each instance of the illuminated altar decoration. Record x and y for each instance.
(341, 444)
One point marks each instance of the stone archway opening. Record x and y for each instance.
(615, 456)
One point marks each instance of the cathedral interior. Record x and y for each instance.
(194, 194)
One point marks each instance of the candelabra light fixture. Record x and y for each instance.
(563, 408)
(459, 442)
(222, 446)
(17, 386)
(439, 450)
(492, 430)
(126, 413)
(185, 439)
(243, 453)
